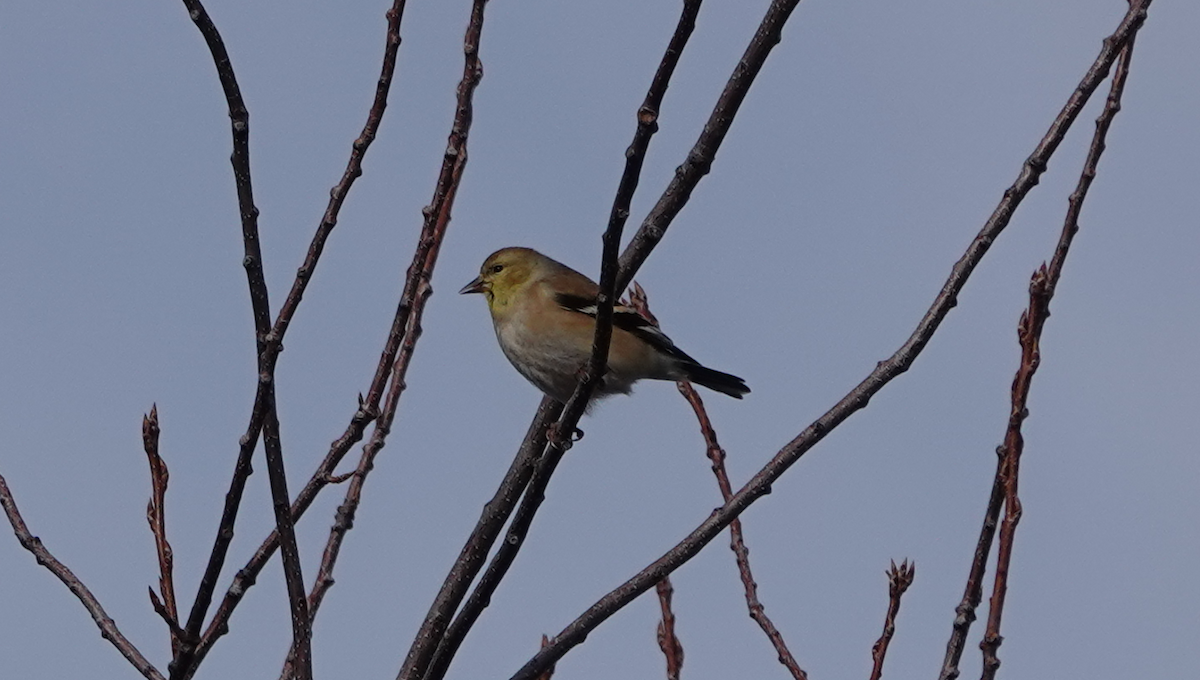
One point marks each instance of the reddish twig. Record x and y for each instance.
(108, 627)
(857, 398)
(899, 579)
(436, 643)
(668, 642)
(161, 609)
(417, 293)
(549, 671)
(156, 517)
(737, 542)
(1033, 321)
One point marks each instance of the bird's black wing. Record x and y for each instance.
(627, 319)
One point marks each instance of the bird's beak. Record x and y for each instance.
(476, 286)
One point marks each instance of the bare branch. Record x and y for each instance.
(416, 294)
(435, 644)
(704, 151)
(899, 579)
(171, 621)
(337, 195)
(108, 627)
(252, 261)
(737, 542)
(973, 592)
(263, 414)
(471, 559)
(964, 613)
(368, 409)
(1033, 321)
(857, 398)
(156, 518)
(288, 550)
(668, 642)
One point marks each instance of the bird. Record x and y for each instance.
(544, 314)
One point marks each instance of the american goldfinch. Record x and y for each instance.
(544, 314)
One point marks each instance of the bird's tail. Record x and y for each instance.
(715, 380)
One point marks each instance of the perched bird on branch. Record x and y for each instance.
(544, 313)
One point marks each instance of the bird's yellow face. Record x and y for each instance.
(503, 275)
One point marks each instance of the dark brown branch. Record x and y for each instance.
(108, 627)
(436, 644)
(973, 592)
(899, 579)
(252, 261)
(368, 408)
(417, 292)
(964, 613)
(668, 642)
(704, 151)
(264, 408)
(491, 522)
(737, 542)
(156, 517)
(161, 609)
(337, 195)
(857, 398)
(1033, 321)
(288, 550)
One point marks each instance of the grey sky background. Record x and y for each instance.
(876, 142)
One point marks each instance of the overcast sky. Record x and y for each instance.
(878, 139)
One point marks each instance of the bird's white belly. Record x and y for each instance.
(552, 366)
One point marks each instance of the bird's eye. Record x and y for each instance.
(497, 268)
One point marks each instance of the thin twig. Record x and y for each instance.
(436, 644)
(856, 399)
(161, 609)
(108, 627)
(337, 195)
(964, 613)
(267, 350)
(252, 261)
(368, 408)
(737, 541)
(704, 151)
(973, 592)
(437, 219)
(899, 579)
(1033, 321)
(156, 518)
(668, 642)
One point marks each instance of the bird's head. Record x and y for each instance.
(504, 274)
